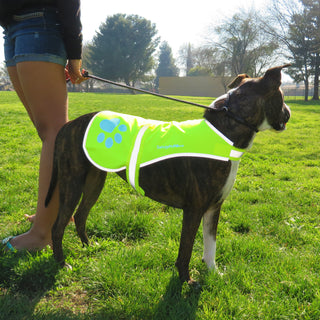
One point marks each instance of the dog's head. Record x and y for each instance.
(257, 101)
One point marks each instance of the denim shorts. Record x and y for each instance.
(34, 36)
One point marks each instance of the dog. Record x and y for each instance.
(196, 185)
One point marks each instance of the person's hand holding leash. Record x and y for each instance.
(73, 71)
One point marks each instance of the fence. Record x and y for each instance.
(213, 87)
(194, 86)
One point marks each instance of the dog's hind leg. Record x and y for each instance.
(210, 224)
(190, 226)
(69, 196)
(93, 186)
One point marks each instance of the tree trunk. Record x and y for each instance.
(316, 79)
(306, 89)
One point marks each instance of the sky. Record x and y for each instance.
(178, 21)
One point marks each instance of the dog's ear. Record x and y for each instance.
(237, 81)
(272, 77)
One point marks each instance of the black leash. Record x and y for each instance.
(224, 109)
(87, 75)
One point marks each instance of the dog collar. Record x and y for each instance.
(230, 114)
(238, 119)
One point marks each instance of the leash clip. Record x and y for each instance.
(85, 73)
(225, 109)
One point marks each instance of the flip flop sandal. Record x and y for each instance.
(6, 245)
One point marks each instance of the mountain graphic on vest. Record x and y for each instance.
(115, 141)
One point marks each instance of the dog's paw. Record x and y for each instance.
(68, 267)
(195, 285)
(211, 265)
(218, 272)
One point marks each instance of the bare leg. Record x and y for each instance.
(42, 89)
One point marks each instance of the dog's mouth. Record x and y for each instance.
(282, 125)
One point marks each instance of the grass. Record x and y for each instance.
(268, 249)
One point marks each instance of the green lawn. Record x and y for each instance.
(268, 250)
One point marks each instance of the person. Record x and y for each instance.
(41, 39)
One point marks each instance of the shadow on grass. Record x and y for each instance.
(24, 279)
(180, 301)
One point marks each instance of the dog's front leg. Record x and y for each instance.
(210, 224)
(190, 226)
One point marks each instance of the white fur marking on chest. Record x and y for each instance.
(264, 125)
(230, 180)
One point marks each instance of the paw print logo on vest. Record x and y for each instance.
(109, 126)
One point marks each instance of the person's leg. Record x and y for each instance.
(16, 84)
(41, 87)
(17, 87)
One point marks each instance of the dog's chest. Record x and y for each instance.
(230, 180)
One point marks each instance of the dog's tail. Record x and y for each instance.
(54, 180)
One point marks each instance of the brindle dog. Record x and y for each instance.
(197, 185)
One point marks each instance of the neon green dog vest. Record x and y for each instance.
(115, 141)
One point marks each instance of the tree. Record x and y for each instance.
(122, 49)
(312, 10)
(189, 59)
(198, 71)
(86, 52)
(186, 57)
(300, 47)
(209, 59)
(242, 46)
(166, 66)
(297, 26)
(5, 83)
